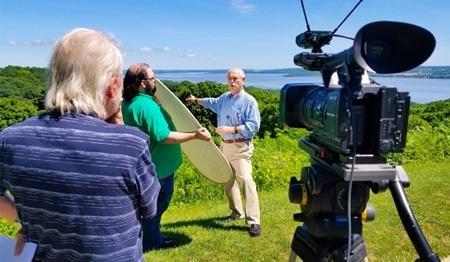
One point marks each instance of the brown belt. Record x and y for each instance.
(237, 140)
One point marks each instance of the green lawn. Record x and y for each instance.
(203, 238)
(206, 239)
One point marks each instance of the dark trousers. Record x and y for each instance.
(151, 227)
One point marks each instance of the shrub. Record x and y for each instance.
(191, 186)
(425, 144)
(275, 160)
(14, 110)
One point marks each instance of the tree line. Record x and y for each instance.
(22, 92)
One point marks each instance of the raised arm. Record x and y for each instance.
(181, 137)
(194, 100)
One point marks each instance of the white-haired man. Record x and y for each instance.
(80, 184)
(238, 120)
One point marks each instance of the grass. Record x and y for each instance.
(203, 238)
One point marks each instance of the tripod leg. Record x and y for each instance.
(410, 223)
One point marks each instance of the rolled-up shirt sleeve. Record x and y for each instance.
(147, 185)
(212, 104)
(252, 120)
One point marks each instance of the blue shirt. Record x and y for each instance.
(240, 110)
(80, 186)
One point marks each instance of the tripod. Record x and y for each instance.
(310, 248)
(323, 237)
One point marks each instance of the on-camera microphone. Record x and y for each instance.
(314, 40)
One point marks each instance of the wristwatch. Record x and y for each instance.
(235, 129)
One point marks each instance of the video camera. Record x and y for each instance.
(380, 112)
(353, 126)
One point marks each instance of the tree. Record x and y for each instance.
(26, 82)
(14, 110)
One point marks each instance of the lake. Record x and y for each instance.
(421, 90)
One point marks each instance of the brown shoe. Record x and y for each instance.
(254, 230)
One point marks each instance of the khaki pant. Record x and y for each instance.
(239, 155)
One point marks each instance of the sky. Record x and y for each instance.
(206, 34)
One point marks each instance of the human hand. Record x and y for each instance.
(203, 134)
(224, 130)
(20, 242)
(190, 99)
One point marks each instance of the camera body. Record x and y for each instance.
(351, 116)
(380, 114)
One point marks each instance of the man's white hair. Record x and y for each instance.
(237, 70)
(81, 67)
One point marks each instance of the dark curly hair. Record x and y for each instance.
(133, 78)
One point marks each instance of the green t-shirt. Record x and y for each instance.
(143, 112)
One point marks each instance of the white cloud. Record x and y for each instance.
(242, 7)
(13, 42)
(189, 53)
(41, 42)
(158, 49)
(145, 49)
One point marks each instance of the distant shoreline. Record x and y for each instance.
(421, 72)
(431, 72)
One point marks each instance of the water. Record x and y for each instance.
(421, 90)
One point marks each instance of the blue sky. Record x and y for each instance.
(205, 34)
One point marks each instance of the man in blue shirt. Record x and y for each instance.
(238, 120)
(80, 184)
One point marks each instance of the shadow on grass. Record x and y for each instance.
(180, 239)
(210, 223)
